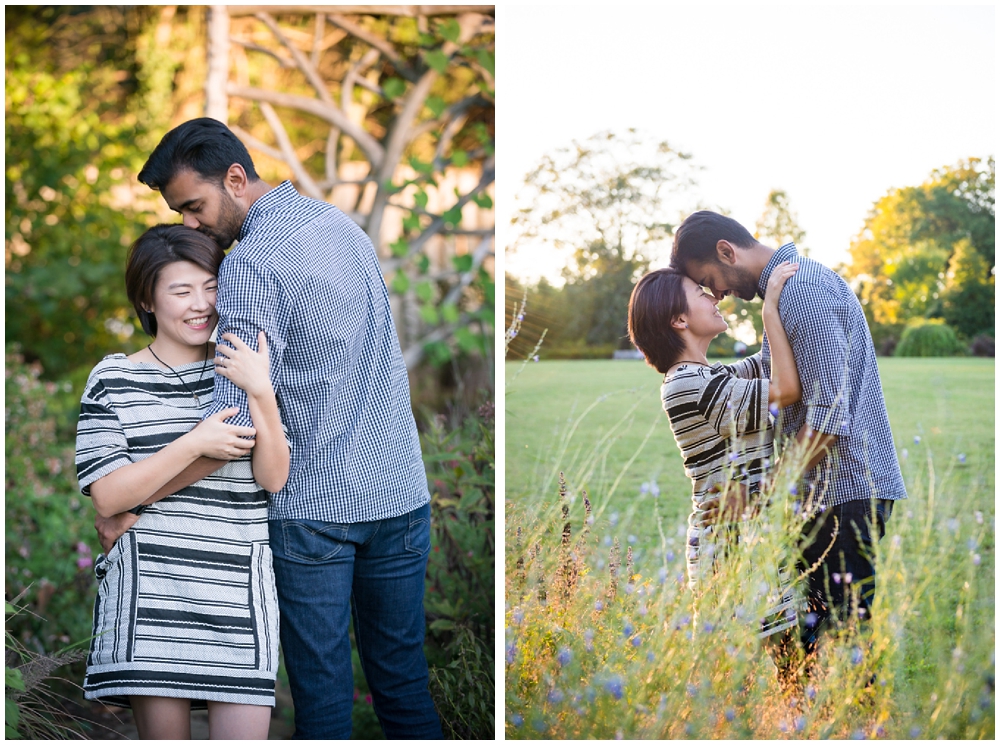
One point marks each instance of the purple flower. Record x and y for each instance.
(599, 606)
(961, 457)
(613, 686)
(85, 561)
(811, 692)
(905, 453)
(650, 657)
(654, 489)
(564, 657)
(915, 732)
(793, 490)
(535, 358)
(627, 631)
(800, 723)
(516, 719)
(511, 653)
(773, 408)
(857, 656)
(669, 556)
(916, 439)
(636, 641)
(82, 548)
(708, 627)
(555, 696)
(692, 690)
(811, 619)
(730, 714)
(517, 616)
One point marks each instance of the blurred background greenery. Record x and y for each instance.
(385, 112)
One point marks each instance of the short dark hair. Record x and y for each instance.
(657, 299)
(153, 250)
(205, 146)
(697, 236)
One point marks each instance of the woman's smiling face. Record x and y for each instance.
(703, 317)
(184, 303)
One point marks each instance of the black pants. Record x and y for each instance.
(846, 535)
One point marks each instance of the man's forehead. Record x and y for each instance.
(185, 185)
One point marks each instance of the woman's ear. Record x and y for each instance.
(679, 323)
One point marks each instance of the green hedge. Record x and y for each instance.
(929, 338)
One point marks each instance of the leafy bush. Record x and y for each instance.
(460, 602)
(983, 346)
(580, 351)
(928, 338)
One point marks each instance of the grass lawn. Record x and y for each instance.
(590, 418)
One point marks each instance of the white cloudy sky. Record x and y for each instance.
(834, 104)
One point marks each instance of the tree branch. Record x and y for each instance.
(376, 42)
(288, 152)
(285, 62)
(300, 59)
(408, 11)
(368, 144)
(317, 50)
(481, 252)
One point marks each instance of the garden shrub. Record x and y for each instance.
(983, 346)
(928, 338)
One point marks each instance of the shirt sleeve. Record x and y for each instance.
(816, 323)
(247, 303)
(734, 405)
(101, 446)
(748, 367)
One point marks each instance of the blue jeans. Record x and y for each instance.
(375, 570)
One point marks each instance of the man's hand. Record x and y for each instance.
(110, 529)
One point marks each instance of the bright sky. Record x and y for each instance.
(834, 105)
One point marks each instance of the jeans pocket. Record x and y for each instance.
(418, 534)
(312, 541)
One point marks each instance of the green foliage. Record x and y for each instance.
(459, 603)
(779, 224)
(928, 338)
(929, 250)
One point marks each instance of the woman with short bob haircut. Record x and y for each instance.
(719, 414)
(186, 613)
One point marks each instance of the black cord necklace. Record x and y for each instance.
(203, 368)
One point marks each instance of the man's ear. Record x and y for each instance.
(235, 180)
(726, 252)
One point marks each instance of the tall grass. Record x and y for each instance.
(604, 638)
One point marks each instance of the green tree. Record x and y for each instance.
(608, 205)
(928, 251)
(779, 223)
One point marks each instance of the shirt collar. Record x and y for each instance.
(272, 198)
(787, 252)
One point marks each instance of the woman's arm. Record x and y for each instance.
(785, 387)
(249, 370)
(136, 483)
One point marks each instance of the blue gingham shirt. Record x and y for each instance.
(308, 276)
(841, 390)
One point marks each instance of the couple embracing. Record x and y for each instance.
(275, 474)
(816, 374)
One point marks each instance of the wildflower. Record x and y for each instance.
(644, 489)
(650, 657)
(654, 489)
(564, 657)
(857, 735)
(669, 556)
(628, 629)
(607, 540)
(539, 724)
(588, 637)
(783, 726)
(663, 574)
(811, 692)
(880, 731)
(643, 610)
(767, 462)
(905, 453)
(730, 714)
(692, 690)
(857, 656)
(733, 456)
(800, 723)
(614, 519)
(85, 561)
(811, 619)
(836, 577)
(513, 333)
(961, 458)
(976, 559)
(896, 541)
(629, 588)
(516, 719)
(708, 627)
(535, 358)
(619, 734)
(511, 652)
(915, 732)
(613, 685)
(368, 699)
(916, 439)
(793, 490)
(979, 517)
(636, 641)
(952, 524)
(556, 696)
(632, 538)
(972, 544)
(773, 408)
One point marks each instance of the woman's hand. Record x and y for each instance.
(213, 438)
(246, 368)
(775, 283)
(736, 505)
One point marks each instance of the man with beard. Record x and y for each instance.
(851, 469)
(350, 531)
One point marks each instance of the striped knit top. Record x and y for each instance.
(720, 420)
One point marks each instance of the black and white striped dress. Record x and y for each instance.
(186, 605)
(719, 417)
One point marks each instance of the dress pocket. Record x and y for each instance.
(116, 604)
(264, 607)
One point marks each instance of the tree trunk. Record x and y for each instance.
(216, 100)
